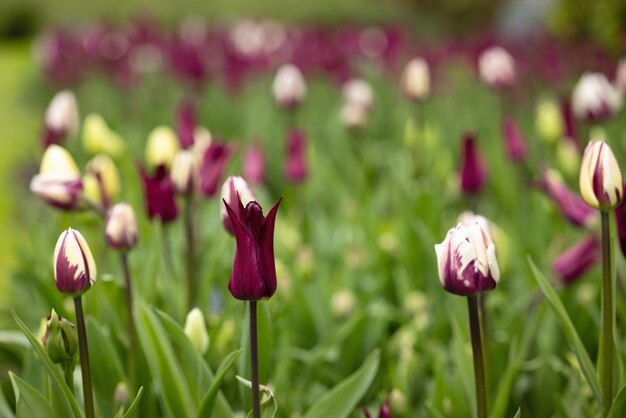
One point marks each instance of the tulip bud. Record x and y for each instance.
(415, 79)
(473, 170)
(497, 68)
(342, 303)
(620, 75)
(469, 218)
(202, 140)
(162, 147)
(289, 87)
(235, 189)
(594, 98)
(121, 396)
(571, 206)
(98, 138)
(514, 142)
(61, 118)
(353, 116)
(576, 260)
(74, 266)
(58, 182)
(254, 164)
(212, 166)
(184, 171)
(467, 261)
(548, 120)
(295, 167)
(102, 180)
(600, 177)
(398, 402)
(186, 124)
(159, 195)
(60, 340)
(195, 330)
(120, 227)
(358, 92)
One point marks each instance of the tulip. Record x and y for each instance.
(295, 165)
(353, 116)
(548, 120)
(415, 80)
(289, 87)
(202, 140)
(469, 218)
(183, 171)
(159, 195)
(74, 266)
(195, 330)
(98, 138)
(576, 260)
(162, 147)
(497, 68)
(254, 164)
(60, 340)
(620, 75)
(514, 142)
(102, 180)
(212, 166)
(571, 205)
(473, 170)
(58, 182)
(600, 177)
(358, 92)
(594, 98)
(235, 189)
(61, 118)
(186, 124)
(120, 227)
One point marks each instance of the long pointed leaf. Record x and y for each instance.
(208, 402)
(30, 402)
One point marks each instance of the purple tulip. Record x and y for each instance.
(620, 218)
(514, 142)
(296, 165)
(186, 124)
(570, 204)
(254, 271)
(254, 164)
(159, 195)
(473, 170)
(212, 166)
(577, 259)
(74, 266)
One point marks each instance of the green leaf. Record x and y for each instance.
(133, 409)
(207, 404)
(518, 414)
(268, 406)
(618, 409)
(30, 402)
(569, 330)
(71, 404)
(341, 400)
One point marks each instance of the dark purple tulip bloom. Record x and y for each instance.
(159, 195)
(212, 166)
(572, 206)
(296, 169)
(514, 142)
(186, 124)
(620, 218)
(254, 271)
(577, 259)
(254, 164)
(473, 170)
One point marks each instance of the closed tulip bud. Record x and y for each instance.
(473, 170)
(60, 340)
(469, 218)
(497, 68)
(254, 269)
(61, 118)
(568, 158)
(467, 261)
(212, 167)
(183, 171)
(549, 120)
(600, 177)
(102, 180)
(186, 124)
(254, 164)
(202, 140)
(235, 189)
(514, 142)
(195, 330)
(358, 92)
(571, 205)
(159, 195)
(74, 266)
(296, 169)
(120, 227)
(398, 402)
(342, 303)
(58, 182)
(594, 98)
(162, 147)
(121, 395)
(289, 87)
(98, 138)
(415, 79)
(576, 260)
(620, 75)
(353, 116)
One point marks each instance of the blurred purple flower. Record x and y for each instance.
(212, 166)
(159, 195)
(186, 124)
(576, 260)
(254, 163)
(514, 142)
(572, 206)
(473, 170)
(296, 169)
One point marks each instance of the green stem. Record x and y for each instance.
(254, 362)
(84, 357)
(167, 250)
(189, 232)
(68, 373)
(477, 349)
(132, 334)
(606, 334)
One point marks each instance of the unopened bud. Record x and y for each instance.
(121, 227)
(162, 147)
(195, 329)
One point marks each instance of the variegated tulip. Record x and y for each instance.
(184, 169)
(234, 189)
(58, 182)
(102, 180)
(357, 91)
(415, 79)
(162, 147)
(600, 177)
(73, 263)
(98, 138)
(61, 118)
(497, 68)
(289, 87)
(594, 98)
(120, 227)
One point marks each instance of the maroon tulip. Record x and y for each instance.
(576, 260)
(570, 204)
(473, 170)
(296, 165)
(186, 124)
(620, 218)
(514, 142)
(212, 166)
(159, 195)
(254, 164)
(254, 271)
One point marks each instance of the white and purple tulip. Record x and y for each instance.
(58, 182)
(600, 177)
(121, 227)
(594, 98)
(73, 263)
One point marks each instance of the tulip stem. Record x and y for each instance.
(167, 250)
(84, 357)
(605, 363)
(477, 349)
(132, 335)
(254, 362)
(68, 374)
(189, 230)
